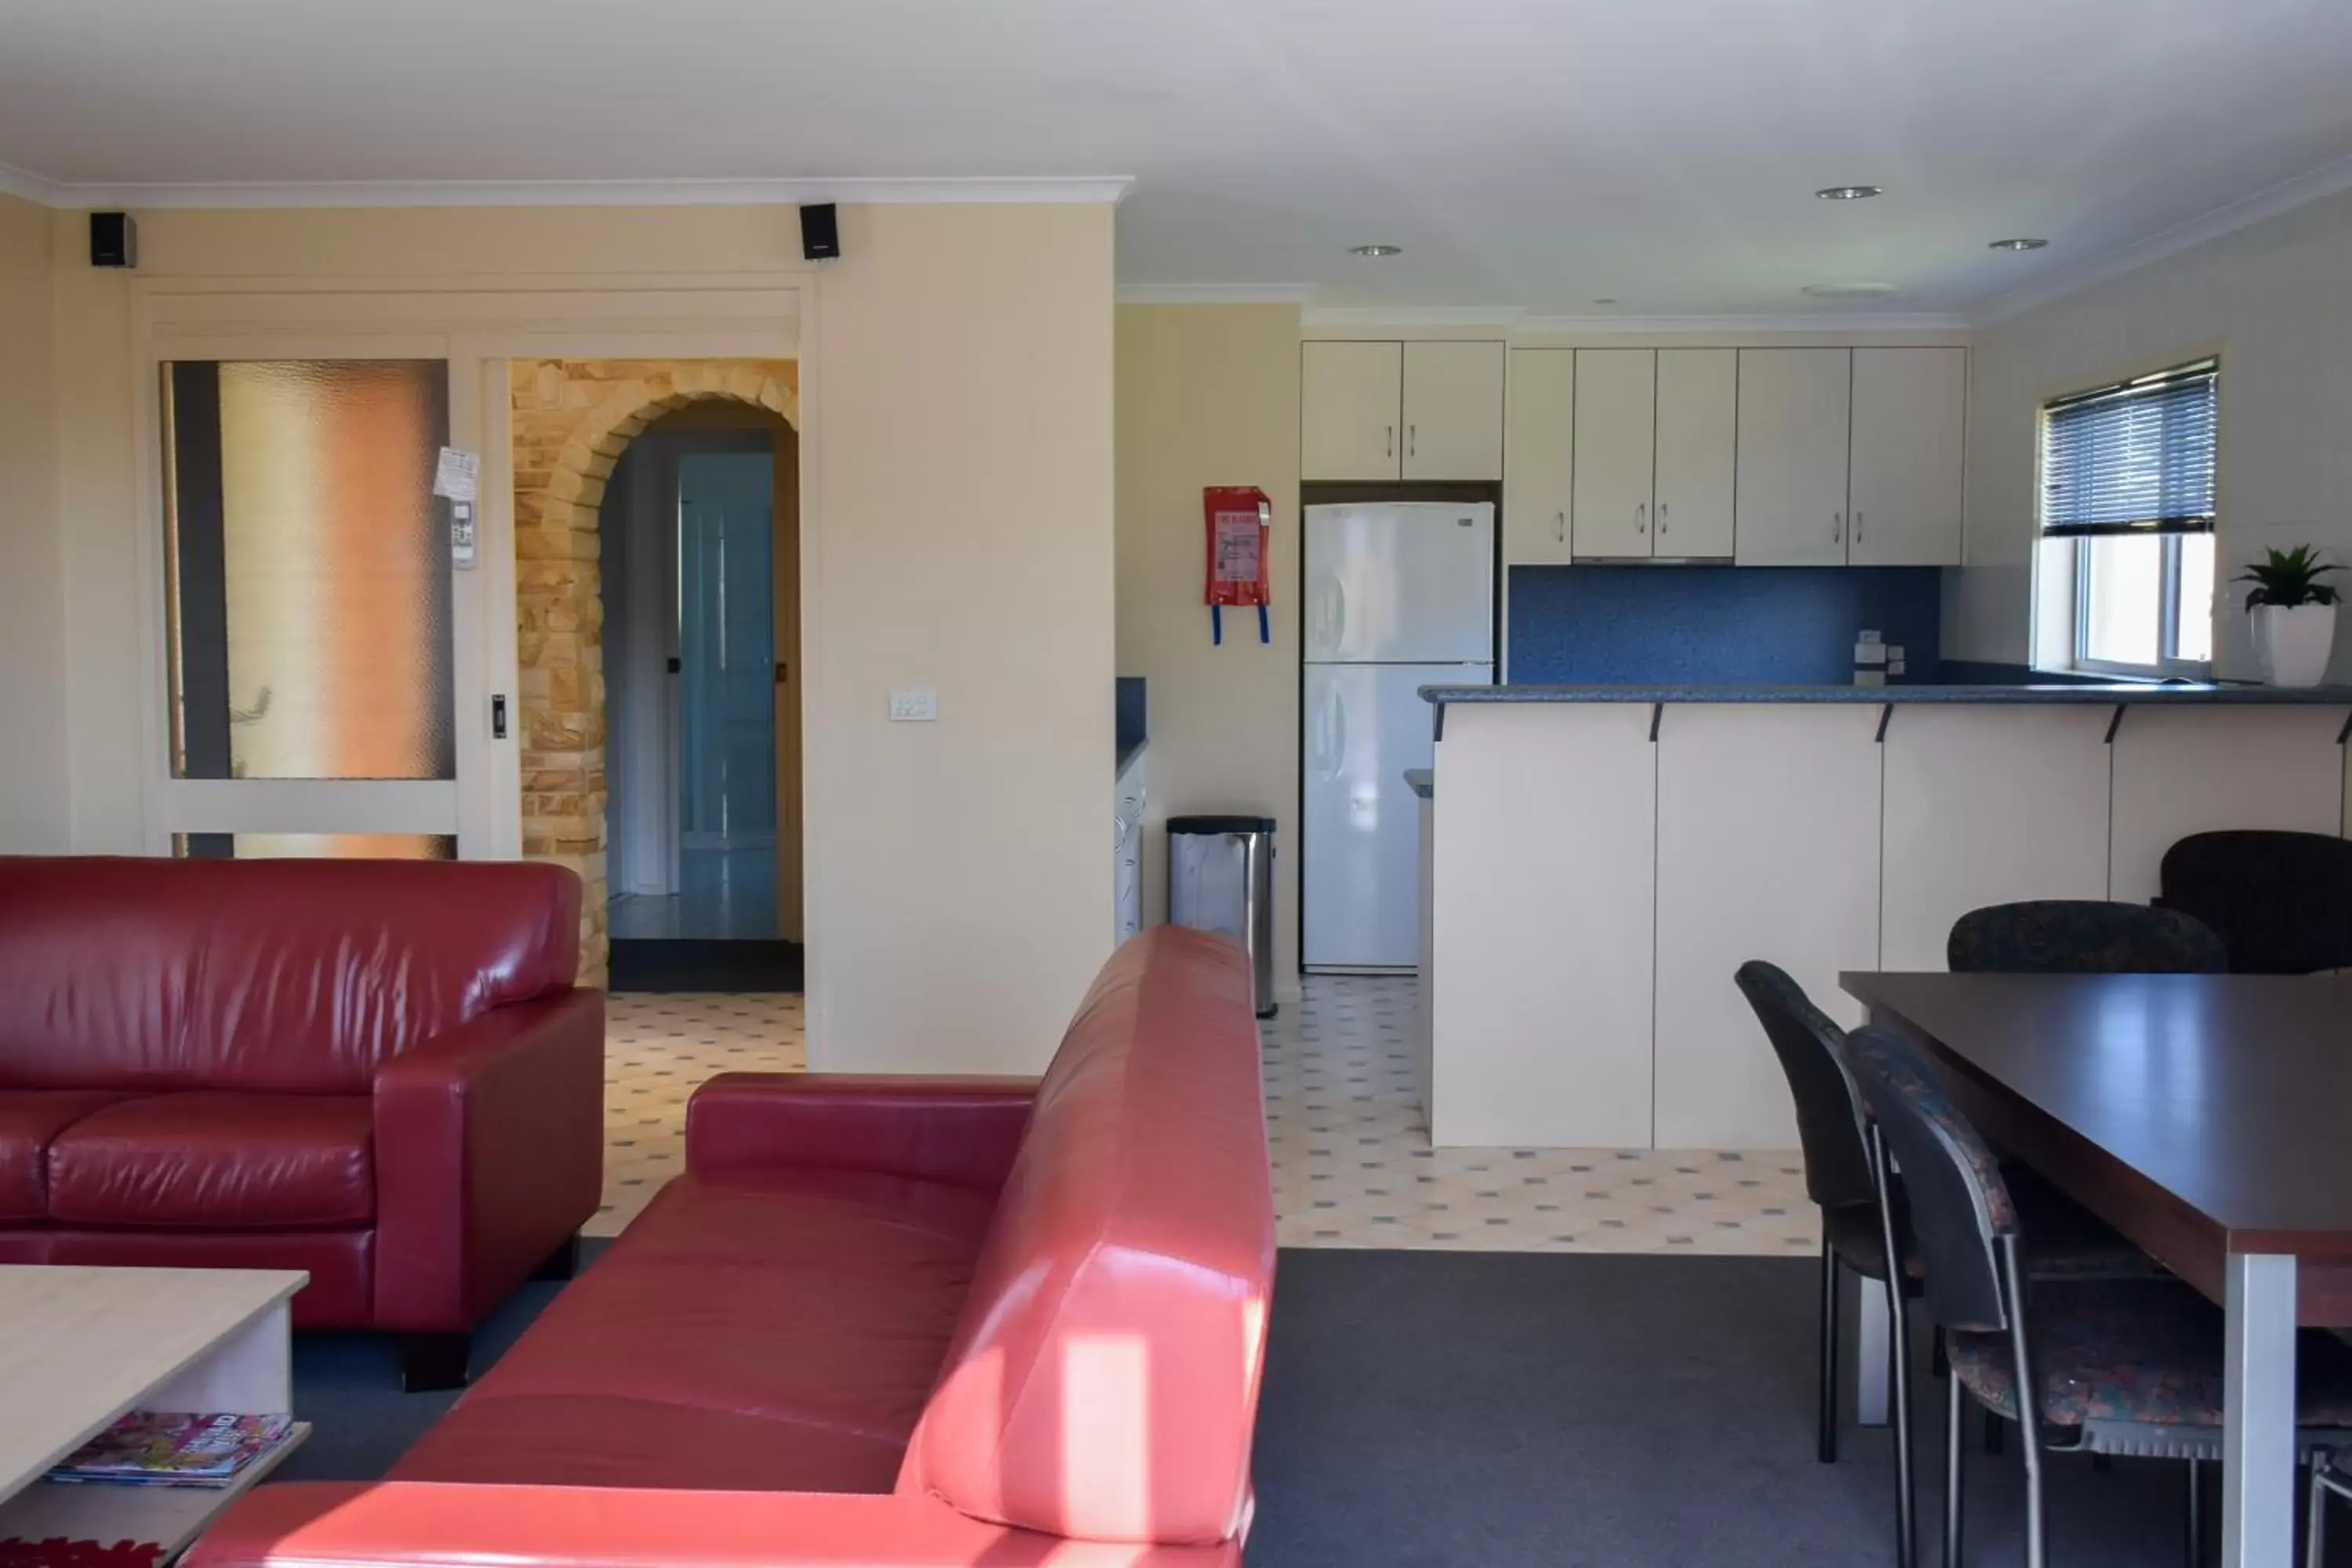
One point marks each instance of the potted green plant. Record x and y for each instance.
(2294, 614)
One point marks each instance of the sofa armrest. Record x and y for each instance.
(489, 1155)
(960, 1130)
(393, 1524)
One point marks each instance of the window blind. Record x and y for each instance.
(2136, 458)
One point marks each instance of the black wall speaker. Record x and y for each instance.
(113, 240)
(820, 233)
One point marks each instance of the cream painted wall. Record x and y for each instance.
(958, 504)
(958, 500)
(1208, 394)
(33, 777)
(2275, 300)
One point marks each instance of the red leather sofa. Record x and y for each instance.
(885, 1321)
(378, 1071)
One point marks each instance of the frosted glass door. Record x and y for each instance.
(308, 607)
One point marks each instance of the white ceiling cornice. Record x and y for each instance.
(1048, 190)
(1875, 322)
(1214, 294)
(26, 186)
(2283, 197)
(1352, 318)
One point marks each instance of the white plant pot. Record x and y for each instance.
(2293, 643)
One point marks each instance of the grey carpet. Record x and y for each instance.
(1441, 1410)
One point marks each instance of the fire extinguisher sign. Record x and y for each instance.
(1240, 526)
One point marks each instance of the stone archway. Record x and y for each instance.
(572, 419)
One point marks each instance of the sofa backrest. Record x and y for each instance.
(1103, 1379)
(275, 976)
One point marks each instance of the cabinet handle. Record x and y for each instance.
(1412, 439)
(1560, 527)
(1642, 518)
(1837, 527)
(1662, 517)
(1387, 442)
(1857, 528)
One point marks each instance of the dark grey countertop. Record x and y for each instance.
(1423, 782)
(2116, 694)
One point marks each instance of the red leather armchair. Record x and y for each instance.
(377, 1071)
(886, 1323)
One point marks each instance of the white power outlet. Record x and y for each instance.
(914, 704)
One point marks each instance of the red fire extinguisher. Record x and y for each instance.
(1240, 520)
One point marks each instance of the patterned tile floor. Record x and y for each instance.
(1352, 1165)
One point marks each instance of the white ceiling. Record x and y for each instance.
(1528, 154)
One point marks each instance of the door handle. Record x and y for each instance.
(1837, 527)
(1560, 527)
(1857, 528)
(1642, 518)
(1338, 734)
(1662, 517)
(1412, 438)
(784, 672)
(1387, 442)
(1338, 621)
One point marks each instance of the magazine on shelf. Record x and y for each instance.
(166, 1449)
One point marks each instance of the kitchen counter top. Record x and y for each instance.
(2111, 694)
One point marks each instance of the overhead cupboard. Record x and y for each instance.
(1382, 411)
(1772, 457)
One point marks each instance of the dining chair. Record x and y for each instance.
(2327, 1481)
(2099, 1366)
(1859, 1233)
(2082, 936)
(2280, 902)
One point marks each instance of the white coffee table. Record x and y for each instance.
(81, 1346)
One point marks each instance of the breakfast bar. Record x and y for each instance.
(1601, 859)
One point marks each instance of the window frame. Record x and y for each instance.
(2168, 665)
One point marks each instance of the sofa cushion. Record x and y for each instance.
(29, 1120)
(218, 1160)
(787, 1326)
(276, 976)
(1104, 1376)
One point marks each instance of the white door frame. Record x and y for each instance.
(478, 331)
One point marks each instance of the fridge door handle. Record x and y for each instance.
(1334, 611)
(1339, 749)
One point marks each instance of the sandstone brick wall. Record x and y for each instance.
(572, 420)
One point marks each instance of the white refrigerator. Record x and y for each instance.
(1399, 595)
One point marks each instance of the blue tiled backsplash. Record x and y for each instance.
(1704, 625)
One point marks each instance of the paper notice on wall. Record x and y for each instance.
(457, 474)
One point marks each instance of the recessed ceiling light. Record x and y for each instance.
(1604, 301)
(1376, 251)
(1851, 290)
(1848, 193)
(2017, 245)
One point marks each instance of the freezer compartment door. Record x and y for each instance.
(1365, 725)
(1400, 582)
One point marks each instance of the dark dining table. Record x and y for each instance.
(2209, 1119)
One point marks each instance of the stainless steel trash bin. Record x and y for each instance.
(1220, 878)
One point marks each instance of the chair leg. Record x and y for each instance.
(1825, 1448)
(1898, 1355)
(2029, 1407)
(429, 1362)
(2193, 1553)
(1955, 1459)
(2314, 1536)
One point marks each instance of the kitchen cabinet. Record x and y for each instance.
(1789, 503)
(1910, 430)
(1539, 458)
(1616, 430)
(1453, 410)
(1657, 442)
(1385, 411)
(1696, 448)
(1351, 400)
(1768, 847)
(1127, 800)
